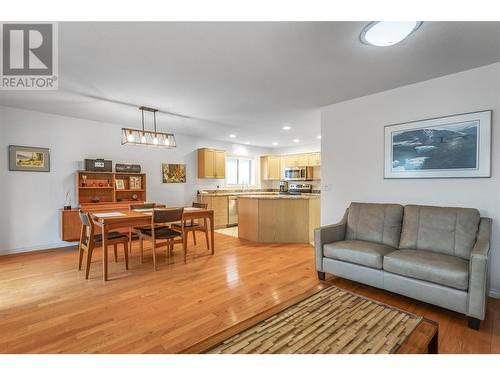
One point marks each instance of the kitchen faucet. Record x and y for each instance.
(243, 184)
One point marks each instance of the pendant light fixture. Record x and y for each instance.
(146, 137)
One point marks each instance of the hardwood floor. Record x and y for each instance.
(47, 306)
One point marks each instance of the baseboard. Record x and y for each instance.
(45, 247)
(494, 294)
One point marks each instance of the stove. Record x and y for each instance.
(297, 189)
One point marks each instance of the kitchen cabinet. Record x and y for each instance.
(289, 161)
(270, 167)
(301, 160)
(211, 163)
(313, 159)
(220, 207)
(220, 164)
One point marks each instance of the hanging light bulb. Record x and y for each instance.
(143, 138)
(130, 137)
(155, 140)
(167, 143)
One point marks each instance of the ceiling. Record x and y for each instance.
(212, 79)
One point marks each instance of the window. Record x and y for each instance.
(239, 171)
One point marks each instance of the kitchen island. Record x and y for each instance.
(278, 218)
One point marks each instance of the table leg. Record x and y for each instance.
(212, 232)
(105, 253)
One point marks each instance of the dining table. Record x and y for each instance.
(118, 219)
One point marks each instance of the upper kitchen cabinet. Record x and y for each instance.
(302, 160)
(211, 163)
(270, 167)
(313, 159)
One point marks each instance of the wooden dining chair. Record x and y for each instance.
(89, 241)
(160, 231)
(133, 233)
(195, 225)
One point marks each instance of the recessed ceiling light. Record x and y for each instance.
(383, 34)
(247, 143)
(296, 140)
(318, 136)
(275, 143)
(232, 136)
(286, 127)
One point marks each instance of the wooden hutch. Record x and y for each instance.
(97, 191)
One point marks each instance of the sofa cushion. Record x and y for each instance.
(445, 230)
(425, 265)
(375, 223)
(369, 254)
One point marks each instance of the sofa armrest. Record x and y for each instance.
(478, 271)
(328, 234)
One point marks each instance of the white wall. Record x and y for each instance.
(353, 149)
(30, 201)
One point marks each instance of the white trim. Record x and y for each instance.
(46, 247)
(494, 294)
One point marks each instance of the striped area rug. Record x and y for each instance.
(330, 321)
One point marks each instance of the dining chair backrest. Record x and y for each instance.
(167, 215)
(142, 206)
(88, 227)
(200, 205)
(84, 217)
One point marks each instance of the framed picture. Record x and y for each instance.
(120, 184)
(135, 182)
(445, 147)
(29, 159)
(173, 173)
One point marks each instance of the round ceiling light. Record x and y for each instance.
(384, 34)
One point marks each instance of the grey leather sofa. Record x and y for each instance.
(437, 255)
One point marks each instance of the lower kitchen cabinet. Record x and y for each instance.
(220, 207)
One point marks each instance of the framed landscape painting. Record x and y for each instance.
(445, 147)
(29, 159)
(174, 173)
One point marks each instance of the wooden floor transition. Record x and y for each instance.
(46, 306)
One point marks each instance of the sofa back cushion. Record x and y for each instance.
(375, 222)
(446, 230)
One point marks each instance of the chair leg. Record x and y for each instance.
(184, 245)
(89, 260)
(115, 248)
(474, 323)
(80, 257)
(154, 255)
(141, 248)
(194, 237)
(125, 251)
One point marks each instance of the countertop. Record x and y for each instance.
(281, 196)
(248, 193)
(237, 193)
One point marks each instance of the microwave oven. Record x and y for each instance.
(299, 173)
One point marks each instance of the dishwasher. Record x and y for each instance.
(232, 208)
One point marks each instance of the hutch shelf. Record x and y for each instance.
(101, 191)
